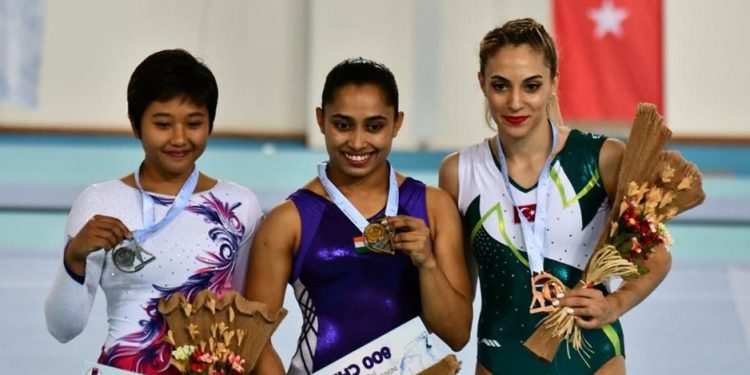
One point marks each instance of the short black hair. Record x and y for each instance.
(360, 71)
(168, 74)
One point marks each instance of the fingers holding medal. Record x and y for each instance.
(412, 236)
(408, 234)
(99, 232)
(106, 232)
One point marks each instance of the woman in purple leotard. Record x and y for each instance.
(349, 297)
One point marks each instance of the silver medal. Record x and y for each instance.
(130, 257)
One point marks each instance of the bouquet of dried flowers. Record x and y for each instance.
(213, 336)
(653, 187)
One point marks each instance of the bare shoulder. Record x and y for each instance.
(445, 227)
(285, 213)
(450, 160)
(448, 177)
(280, 228)
(272, 255)
(441, 208)
(449, 165)
(438, 198)
(613, 147)
(610, 157)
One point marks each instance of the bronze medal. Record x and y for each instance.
(545, 289)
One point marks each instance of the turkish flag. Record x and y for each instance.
(610, 57)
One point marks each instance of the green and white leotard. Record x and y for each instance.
(577, 209)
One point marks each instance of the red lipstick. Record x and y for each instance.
(515, 120)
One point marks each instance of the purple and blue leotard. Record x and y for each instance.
(348, 299)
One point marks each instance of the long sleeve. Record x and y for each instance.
(68, 304)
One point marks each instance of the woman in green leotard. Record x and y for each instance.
(535, 199)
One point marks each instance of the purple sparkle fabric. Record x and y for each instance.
(349, 299)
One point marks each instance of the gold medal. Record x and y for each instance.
(378, 237)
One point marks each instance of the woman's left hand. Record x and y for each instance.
(413, 237)
(589, 306)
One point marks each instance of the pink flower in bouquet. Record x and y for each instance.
(236, 362)
(205, 357)
(200, 361)
(635, 248)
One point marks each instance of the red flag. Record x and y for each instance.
(610, 57)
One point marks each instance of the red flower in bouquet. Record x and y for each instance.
(195, 361)
(197, 366)
(635, 235)
(640, 227)
(200, 361)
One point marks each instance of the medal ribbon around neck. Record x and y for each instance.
(180, 202)
(376, 237)
(125, 254)
(338, 198)
(533, 236)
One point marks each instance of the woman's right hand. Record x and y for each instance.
(100, 232)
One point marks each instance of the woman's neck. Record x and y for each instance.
(535, 145)
(367, 193)
(525, 157)
(162, 184)
(374, 181)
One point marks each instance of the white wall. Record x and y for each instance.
(459, 109)
(90, 48)
(378, 30)
(431, 47)
(707, 75)
(271, 57)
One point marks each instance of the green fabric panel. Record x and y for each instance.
(613, 338)
(505, 322)
(580, 161)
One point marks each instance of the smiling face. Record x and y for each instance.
(174, 134)
(359, 127)
(518, 84)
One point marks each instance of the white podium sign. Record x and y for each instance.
(407, 349)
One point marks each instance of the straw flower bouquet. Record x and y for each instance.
(653, 187)
(217, 336)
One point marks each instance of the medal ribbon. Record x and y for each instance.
(180, 202)
(533, 236)
(338, 198)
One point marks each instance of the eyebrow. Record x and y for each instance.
(167, 114)
(349, 118)
(501, 78)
